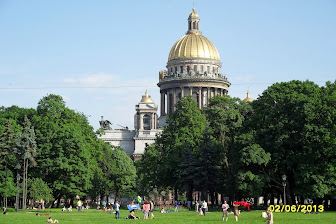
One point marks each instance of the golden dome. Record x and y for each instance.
(146, 98)
(248, 99)
(193, 15)
(193, 45)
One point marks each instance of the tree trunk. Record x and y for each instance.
(5, 198)
(26, 193)
(190, 192)
(17, 199)
(256, 200)
(24, 185)
(216, 199)
(58, 201)
(265, 200)
(175, 194)
(212, 198)
(272, 200)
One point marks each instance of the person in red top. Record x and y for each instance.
(146, 208)
(225, 207)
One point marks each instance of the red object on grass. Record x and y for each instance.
(243, 203)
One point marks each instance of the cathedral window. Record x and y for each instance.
(181, 67)
(175, 69)
(208, 69)
(188, 68)
(202, 69)
(194, 25)
(195, 68)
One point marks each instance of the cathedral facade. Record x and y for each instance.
(193, 68)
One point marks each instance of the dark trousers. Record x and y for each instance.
(204, 211)
(117, 215)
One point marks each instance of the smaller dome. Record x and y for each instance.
(146, 98)
(248, 98)
(193, 15)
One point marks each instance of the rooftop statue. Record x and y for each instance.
(105, 124)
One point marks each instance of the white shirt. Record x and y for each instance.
(204, 205)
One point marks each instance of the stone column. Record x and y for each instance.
(168, 102)
(141, 122)
(208, 94)
(221, 92)
(182, 91)
(152, 123)
(215, 91)
(155, 121)
(162, 103)
(199, 97)
(174, 99)
(190, 90)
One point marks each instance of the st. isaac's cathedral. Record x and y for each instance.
(193, 68)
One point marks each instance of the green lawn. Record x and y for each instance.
(182, 217)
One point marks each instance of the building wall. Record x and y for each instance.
(122, 138)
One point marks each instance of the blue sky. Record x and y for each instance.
(117, 48)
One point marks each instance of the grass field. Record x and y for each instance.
(182, 217)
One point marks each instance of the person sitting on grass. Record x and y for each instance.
(70, 208)
(132, 216)
(162, 210)
(49, 220)
(4, 210)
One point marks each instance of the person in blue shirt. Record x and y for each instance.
(176, 206)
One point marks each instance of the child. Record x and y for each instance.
(162, 210)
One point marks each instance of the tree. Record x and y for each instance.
(38, 189)
(207, 168)
(7, 143)
(148, 170)
(226, 117)
(294, 122)
(26, 145)
(103, 172)
(66, 147)
(248, 162)
(124, 173)
(185, 128)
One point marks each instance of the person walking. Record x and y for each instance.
(176, 206)
(225, 207)
(196, 206)
(269, 217)
(146, 208)
(116, 208)
(79, 205)
(151, 208)
(236, 212)
(204, 207)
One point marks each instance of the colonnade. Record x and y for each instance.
(201, 95)
(153, 120)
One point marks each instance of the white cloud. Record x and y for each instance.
(96, 80)
(241, 79)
